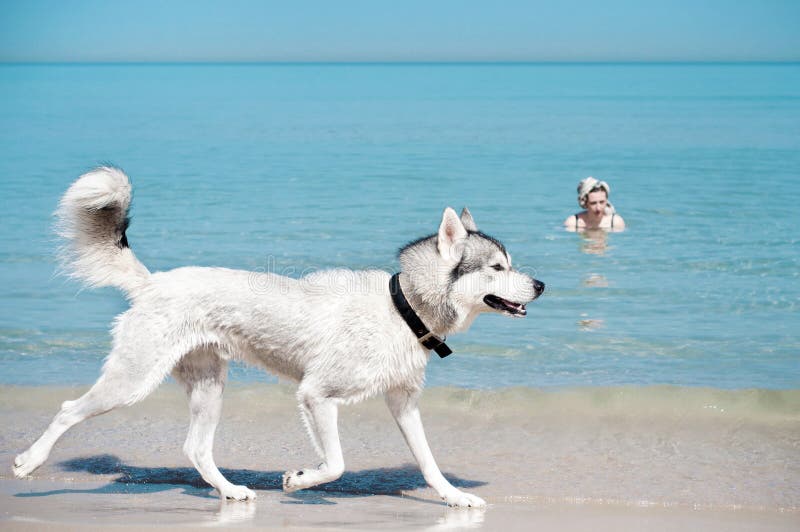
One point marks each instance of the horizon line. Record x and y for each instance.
(416, 62)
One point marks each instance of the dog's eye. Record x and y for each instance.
(498, 268)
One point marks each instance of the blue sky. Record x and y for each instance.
(408, 30)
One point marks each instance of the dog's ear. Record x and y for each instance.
(452, 235)
(468, 220)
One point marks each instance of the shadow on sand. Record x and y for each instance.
(134, 479)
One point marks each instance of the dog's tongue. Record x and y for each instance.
(515, 309)
(519, 308)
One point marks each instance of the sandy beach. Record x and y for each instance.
(568, 465)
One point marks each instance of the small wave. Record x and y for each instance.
(520, 403)
(759, 405)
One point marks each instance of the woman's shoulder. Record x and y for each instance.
(572, 221)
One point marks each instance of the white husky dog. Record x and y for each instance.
(342, 335)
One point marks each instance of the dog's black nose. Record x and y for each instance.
(538, 286)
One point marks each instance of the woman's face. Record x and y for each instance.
(596, 203)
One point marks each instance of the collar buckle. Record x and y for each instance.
(430, 340)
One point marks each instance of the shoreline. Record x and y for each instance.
(79, 505)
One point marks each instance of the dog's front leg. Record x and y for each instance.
(322, 420)
(403, 406)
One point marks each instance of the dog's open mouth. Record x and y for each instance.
(504, 305)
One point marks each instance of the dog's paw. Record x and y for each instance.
(237, 493)
(26, 463)
(460, 499)
(292, 481)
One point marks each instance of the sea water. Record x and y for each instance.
(295, 168)
(684, 328)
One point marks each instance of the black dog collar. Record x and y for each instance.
(425, 336)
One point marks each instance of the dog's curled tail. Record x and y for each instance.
(92, 217)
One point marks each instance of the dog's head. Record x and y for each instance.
(468, 270)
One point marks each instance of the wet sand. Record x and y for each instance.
(556, 466)
(60, 506)
(47, 505)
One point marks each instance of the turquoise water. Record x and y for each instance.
(302, 167)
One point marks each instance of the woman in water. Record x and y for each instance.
(598, 212)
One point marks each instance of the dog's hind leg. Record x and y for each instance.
(202, 372)
(126, 379)
(322, 422)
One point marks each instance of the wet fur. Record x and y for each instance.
(334, 332)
